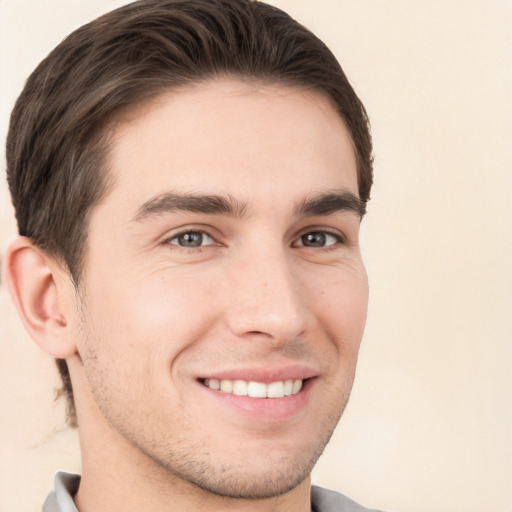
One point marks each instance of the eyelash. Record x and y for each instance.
(340, 239)
(186, 232)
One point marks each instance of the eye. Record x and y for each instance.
(317, 239)
(191, 239)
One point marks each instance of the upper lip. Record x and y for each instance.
(264, 374)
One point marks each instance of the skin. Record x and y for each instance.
(151, 318)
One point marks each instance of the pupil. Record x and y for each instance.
(191, 239)
(314, 239)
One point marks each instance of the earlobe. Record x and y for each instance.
(31, 278)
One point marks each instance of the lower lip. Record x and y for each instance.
(264, 409)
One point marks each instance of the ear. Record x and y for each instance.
(31, 276)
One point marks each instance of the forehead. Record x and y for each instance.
(232, 138)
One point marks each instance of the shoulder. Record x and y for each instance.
(325, 500)
(61, 497)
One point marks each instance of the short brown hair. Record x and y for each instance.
(57, 143)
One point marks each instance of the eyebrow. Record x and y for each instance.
(319, 204)
(172, 202)
(331, 202)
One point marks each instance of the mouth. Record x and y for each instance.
(261, 394)
(254, 389)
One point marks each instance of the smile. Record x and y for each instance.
(278, 389)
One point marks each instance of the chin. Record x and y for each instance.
(249, 483)
(267, 474)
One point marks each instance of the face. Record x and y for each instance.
(225, 256)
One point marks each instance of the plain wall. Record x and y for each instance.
(428, 428)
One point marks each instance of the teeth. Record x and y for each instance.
(213, 383)
(278, 389)
(275, 390)
(240, 387)
(297, 386)
(257, 390)
(226, 386)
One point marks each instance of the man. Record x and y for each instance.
(189, 178)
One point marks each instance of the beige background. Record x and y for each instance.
(430, 420)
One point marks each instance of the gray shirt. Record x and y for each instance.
(322, 500)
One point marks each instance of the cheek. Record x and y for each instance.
(155, 316)
(136, 332)
(341, 299)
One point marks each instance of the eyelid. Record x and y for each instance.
(208, 231)
(340, 237)
(190, 229)
(202, 233)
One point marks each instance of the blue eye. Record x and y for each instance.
(191, 239)
(317, 239)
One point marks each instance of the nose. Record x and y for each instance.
(267, 300)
